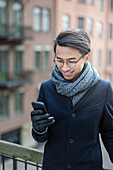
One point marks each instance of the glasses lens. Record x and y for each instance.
(59, 63)
(71, 64)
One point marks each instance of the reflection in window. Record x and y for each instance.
(90, 26)
(18, 99)
(111, 6)
(100, 4)
(110, 30)
(17, 13)
(18, 63)
(99, 29)
(4, 105)
(3, 12)
(38, 60)
(46, 60)
(37, 19)
(91, 2)
(41, 19)
(65, 21)
(81, 23)
(45, 20)
(81, 1)
(3, 17)
(109, 57)
(3, 65)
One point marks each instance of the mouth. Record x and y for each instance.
(67, 74)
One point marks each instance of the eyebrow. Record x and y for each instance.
(71, 58)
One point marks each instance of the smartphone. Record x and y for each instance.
(39, 105)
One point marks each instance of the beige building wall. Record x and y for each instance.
(41, 41)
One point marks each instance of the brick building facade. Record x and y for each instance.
(27, 30)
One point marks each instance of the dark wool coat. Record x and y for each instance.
(73, 140)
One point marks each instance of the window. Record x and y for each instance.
(99, 57)
(91, 2)
(109, 57)
(3, 17)
(38, 60)
(65, 21)
(18, 99)
(100, 4)
(81, 23)
(99, 29)
(45, 20)
(81, 1)
(3, 65)
(111, 6)
(46, 60)
(4, 105)
(18, 63)
(17, 19)
(41, 19)
(90, 26)
(37, 19)
(110, 30)
(17, 14)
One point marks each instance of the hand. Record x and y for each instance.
(41, 120)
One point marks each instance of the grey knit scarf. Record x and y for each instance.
(77, 89)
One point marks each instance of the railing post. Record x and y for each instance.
(3, 162)
(25, 165)
(14, 164)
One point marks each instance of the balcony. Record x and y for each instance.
(16, 157)
(13, 33)
(20, 79)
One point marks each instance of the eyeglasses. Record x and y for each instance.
(60, 63)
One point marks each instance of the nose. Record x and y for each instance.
(65, 67)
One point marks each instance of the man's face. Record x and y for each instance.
(68, 54)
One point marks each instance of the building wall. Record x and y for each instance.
(43, 41)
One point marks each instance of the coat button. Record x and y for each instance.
(73, 114)
(68, 166)
(70, 140)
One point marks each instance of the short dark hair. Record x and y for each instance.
(74, 38)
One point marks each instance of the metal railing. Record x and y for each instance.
(16, 157)
(14, 32)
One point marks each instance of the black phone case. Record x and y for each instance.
(39, 105)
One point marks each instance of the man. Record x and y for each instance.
(79, 106)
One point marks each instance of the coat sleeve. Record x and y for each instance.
(106, 124)
(42, 137)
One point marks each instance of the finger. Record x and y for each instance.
(47, 121)
(47, 124)
(40, 117)
(37, 112)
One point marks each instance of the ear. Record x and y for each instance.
(86, 57)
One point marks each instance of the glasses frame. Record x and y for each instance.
(68, 62)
